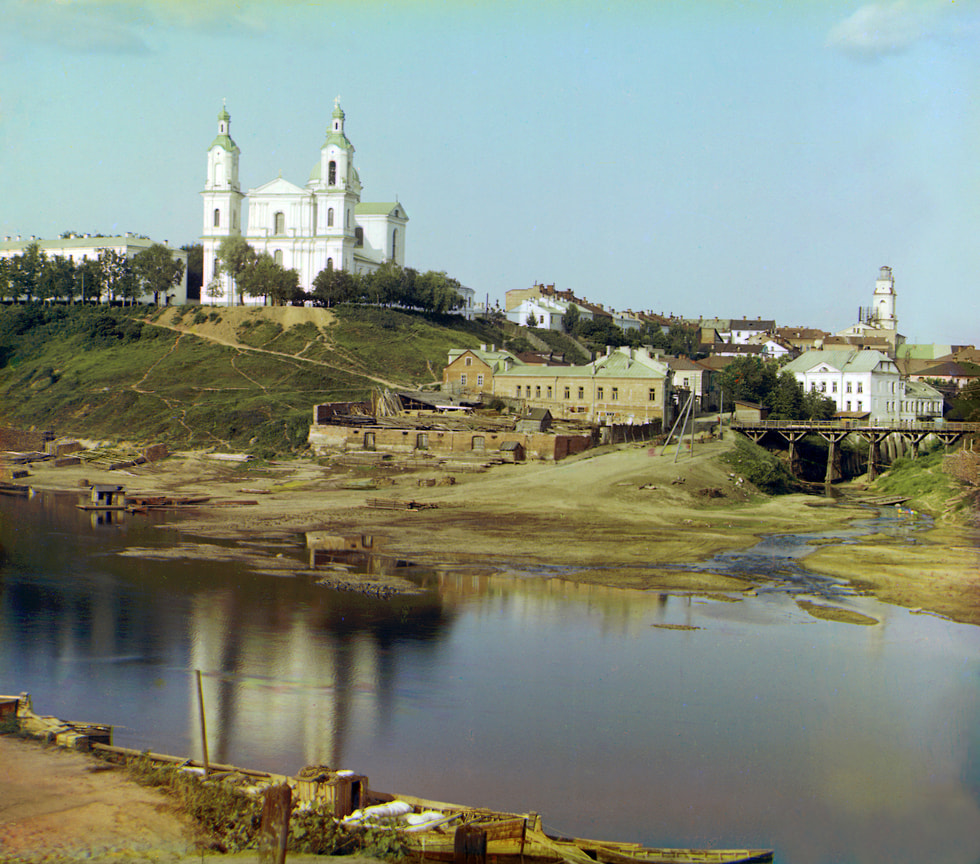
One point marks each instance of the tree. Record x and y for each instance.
(437, 292)
(785, 399)
(214, 289)
(117, 276)
(235, 257)
(331, 287)
(58, 279)
(263, 277)
(748, 379)
(157, 271)
(571, 319)
(88, 280)
(27, 271)
(816, 406)
(7, 289)
(532, 320)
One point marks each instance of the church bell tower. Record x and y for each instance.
(222, 197)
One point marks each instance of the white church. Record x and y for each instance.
(307, 228)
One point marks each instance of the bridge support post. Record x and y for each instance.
(914, 439)
(833, 438)
(792, 437)
(874, 437)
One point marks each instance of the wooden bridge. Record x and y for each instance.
(874, 432)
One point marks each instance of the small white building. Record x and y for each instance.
(548, 312)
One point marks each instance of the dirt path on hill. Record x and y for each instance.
(223, 333)
(623, 517)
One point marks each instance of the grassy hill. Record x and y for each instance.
(201, 376)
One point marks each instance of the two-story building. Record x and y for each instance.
(626, 385)
(470, 371)
(863, 382)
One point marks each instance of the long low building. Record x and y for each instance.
(81, 247)
(624, 386)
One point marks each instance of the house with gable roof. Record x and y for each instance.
(471, 371)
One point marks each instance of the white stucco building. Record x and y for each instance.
(320, 225)
(862, 382)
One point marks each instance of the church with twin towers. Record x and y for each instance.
(310, 228)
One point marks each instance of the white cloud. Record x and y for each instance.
(877, 29)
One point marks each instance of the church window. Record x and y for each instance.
(394, 242)
(217, 218)
(314, 218)
(347, 220)
(277, 257)
(332, 173)
(330, 218)
(358, 236)
(279, 223)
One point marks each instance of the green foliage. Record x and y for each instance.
(560, 343)
(751, 379)
(760, 467)
(157, 271)
(922, 479)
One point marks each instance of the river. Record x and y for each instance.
(668, 720)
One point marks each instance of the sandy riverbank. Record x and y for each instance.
(614, 516)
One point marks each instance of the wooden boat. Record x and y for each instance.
(14, 489)
(435, 831)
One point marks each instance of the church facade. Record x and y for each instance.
(322, 225)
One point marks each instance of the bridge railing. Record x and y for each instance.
(848, 423)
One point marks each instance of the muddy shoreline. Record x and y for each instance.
(619, 517)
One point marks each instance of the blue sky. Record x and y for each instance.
(699, 158)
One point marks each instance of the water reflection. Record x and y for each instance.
(627, 714)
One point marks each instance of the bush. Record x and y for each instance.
(760, 467)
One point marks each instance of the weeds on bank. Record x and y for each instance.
(760, 467)
(231, 818)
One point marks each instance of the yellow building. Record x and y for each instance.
(470, 371)
(627, 385)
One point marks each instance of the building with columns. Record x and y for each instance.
(321, 225)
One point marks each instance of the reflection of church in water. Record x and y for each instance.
(297, 671)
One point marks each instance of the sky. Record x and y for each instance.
(690, 157)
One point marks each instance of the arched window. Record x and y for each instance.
(347, 220)
(358, 236)
(394, 243)
(330, 263)
(277, 257)
(315, 226)
(279, 226)
(330, 218)
(217, 218)
(332, 174)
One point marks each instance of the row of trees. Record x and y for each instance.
(754, 380)
(35, 276)
(258, 275)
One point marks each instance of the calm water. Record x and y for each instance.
(762, 727)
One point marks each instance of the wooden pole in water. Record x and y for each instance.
(204, 727)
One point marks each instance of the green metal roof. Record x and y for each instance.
(852, 360)
(379, 208)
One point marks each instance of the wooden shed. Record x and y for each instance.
(513, 451)
(535, 420)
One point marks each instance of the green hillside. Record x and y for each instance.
(200, 376)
